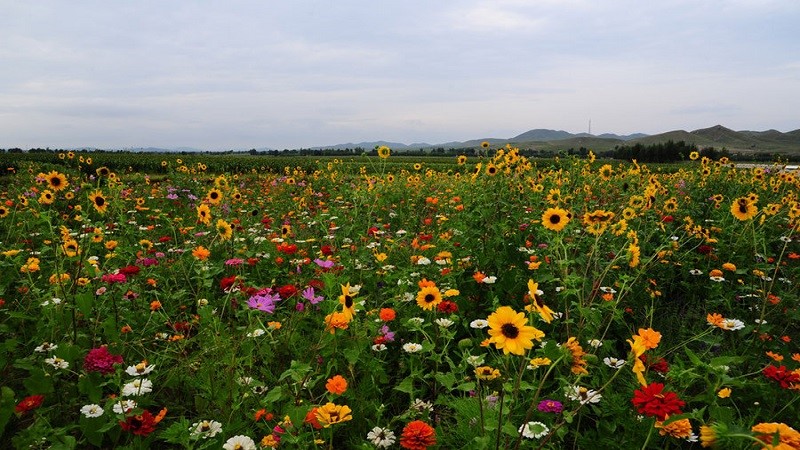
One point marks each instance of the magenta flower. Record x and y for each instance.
(550, 406)
(264, 302)
(310, 295)
(100, 360)
(114, 278)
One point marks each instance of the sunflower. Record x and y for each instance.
(417, 166)
(694, 155)
(224, 229)
(286, 230)
(461, 160)
(384, 151)
(47, 197)
(606, 171)
(3, 212)
(484, 144)
(509, 331)
(428, 297)
(536, 302)
(204, 214)
(214, 196)
(671, 205)
(554, 196)
(237, 196)
(555, 219)
(491, 169)
(743, 209)
(57, 181)
(348, 302)
(70, 248)
(98, 201)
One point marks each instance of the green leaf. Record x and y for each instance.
(468, 386)
(351, 354)
(510, 429)
(407, 386)
(273, 395)
(6, 407)
(693, 358)
(38, 382)
(446, 379)
(85, 301)
(89, 385)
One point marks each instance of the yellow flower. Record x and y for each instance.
(486, 373)
(204, 214)
(331, 414)
(98, 201)
(539, 362)
(555, 219)
(536, 302)
(224, 229)
(56, 181)
(214, 196)
(509, 331)
(724, 393)
(743, 209)
(680, 429)
(428, 297)
(383, 151)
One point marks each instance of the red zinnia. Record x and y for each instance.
(144, 424)
(418, 435)
(29, 403)
(447, 306)
(653, 401)
(129, 270)
(781, 375)
(287, 291)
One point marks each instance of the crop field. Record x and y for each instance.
(246, 302)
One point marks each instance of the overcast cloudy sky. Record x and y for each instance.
(242, 74)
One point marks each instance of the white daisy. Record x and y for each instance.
(614, 363)
(205, 429)
(239, 442)
(534, 430)
(92, 410)
(412, 347)
(381, 437)
(137, 387)
(57, 362)
(124, 406)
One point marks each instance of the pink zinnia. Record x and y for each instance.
(114, 278)
(100, 360)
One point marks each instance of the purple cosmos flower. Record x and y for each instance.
(172, 196)
(309, 295)
(325, 264)
(387, 333)
(264, 302)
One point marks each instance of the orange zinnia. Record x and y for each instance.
(648, 337)
(336, 385)
(418, 435)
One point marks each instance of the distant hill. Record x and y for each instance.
(718, 136)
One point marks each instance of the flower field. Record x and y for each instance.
(495, 302)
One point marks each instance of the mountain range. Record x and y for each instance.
(718, 136)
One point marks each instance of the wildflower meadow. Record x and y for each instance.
(381, 302)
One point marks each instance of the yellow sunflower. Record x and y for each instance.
(3, 212)
(384, 151)
(348, 302)
(224, 229)
(461, 160)
(102, 171)
(491, 169)
(510, 332)
(536, 302)
(555, 219)
(743, 209)
(214, 196)
(428, 297)
(204, 214)
(57, 181)
(98, 201)
(46, 197)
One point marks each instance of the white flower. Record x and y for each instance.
(583, 395)
(785, 239)
(608, 290)
(137, 387)
(475, 361)
(381, 437)
(416, 321)
(140, 369)
(489, 279)
(731, 324)
(123, 406)
(614, 363)
(596, 343)
(696, 272)
(421, 405)
(423, 261)
(239, 442)
(57, 362)
(45, 347)
(246, 381)
(409, 297)
(256, 333)
(205, 429)
(379, 347)
(479, 324)
(411, 347)
(444, 323)
(92, 410)
(534, 430)
(717, 279)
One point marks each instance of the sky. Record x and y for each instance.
(220, 75)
